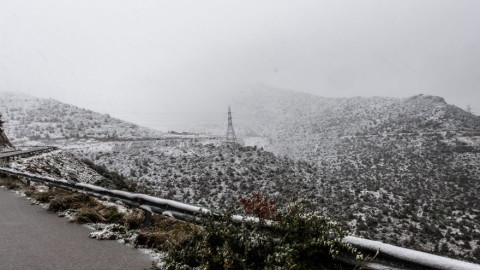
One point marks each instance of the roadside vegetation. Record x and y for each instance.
(295, 237)
(86, 208)
(299, 238)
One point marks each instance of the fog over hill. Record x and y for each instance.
(287, 117)
(401, 170)
(140, 90)
(405, 171)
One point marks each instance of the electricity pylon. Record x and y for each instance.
(231, 137)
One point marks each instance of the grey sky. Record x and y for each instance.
(115, 55)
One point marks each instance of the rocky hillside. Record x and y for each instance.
(5, 143)
(30, 119)
(406, 171)
(205, 172)
(297, 122)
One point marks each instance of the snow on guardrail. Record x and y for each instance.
(140, 199)
(412, 256)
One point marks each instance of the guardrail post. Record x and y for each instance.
(148, 218)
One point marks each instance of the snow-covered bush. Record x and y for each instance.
(298, 239)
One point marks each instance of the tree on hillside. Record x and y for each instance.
(4, 141)
(1, 123)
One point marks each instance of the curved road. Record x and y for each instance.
(33, 238)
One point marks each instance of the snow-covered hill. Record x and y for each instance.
(30, 119)
(406, 171)
(206, 172)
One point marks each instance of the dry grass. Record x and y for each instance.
(165, 233)
(11, 182)
(98, 213)
(134, 219)
(61, 200)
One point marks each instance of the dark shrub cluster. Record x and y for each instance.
(111, 179)
(297, 239)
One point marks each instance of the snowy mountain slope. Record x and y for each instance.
(287, 117)
(406, 171)
(206, 172)
(34, 119)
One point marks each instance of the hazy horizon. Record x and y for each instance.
(184, 120)
(130, 58)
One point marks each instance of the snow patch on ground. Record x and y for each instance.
(118, 232)
(107, 231)
(157, 257)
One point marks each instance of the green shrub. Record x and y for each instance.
(308, 240)
(299, 239)
(476, 253)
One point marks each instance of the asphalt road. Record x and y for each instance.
(33, 238)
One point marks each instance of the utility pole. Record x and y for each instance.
(231, 137)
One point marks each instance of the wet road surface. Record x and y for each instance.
(33, 238)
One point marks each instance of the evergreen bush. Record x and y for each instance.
(297, 238)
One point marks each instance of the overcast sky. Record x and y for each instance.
(115, 55)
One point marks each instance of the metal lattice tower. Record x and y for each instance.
(231, 137)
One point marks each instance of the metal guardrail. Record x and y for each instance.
(393, 257)
(146, 202)
(387, 256)
(26, 153)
